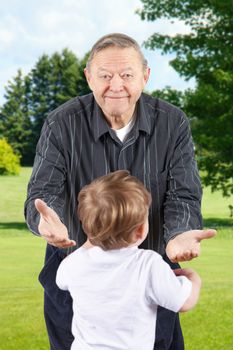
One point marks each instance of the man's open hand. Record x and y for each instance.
(186, 246)
(51, 228)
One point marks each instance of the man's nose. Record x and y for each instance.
(116, 83)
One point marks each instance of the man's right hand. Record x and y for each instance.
(51, 228)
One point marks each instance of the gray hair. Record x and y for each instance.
(115, 40)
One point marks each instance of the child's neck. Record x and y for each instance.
(87, 244)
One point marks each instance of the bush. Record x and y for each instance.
(9, 161)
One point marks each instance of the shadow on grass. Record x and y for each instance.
(209, 222)
(218, 222)
(13, 226)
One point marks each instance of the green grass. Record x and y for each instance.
(21, 258)
(207, 327)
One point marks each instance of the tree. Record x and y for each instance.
(39, 94)
(170, 95)
(82, 85)
(9, 161)
(15, 123)
(51, 82)
(206, 53)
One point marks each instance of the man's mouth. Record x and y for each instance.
(116, 97)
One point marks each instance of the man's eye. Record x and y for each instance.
(105, 77)
(127, 76)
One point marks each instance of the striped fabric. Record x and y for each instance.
(77, 145)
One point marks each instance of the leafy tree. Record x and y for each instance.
(15, 123)
(206, 53)
(9, 162)
(173, 96)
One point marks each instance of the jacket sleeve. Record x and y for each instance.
(48, 176)
(182, 207)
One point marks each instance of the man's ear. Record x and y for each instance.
(146, 75)
(88, 76)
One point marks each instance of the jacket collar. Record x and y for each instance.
(101, 127)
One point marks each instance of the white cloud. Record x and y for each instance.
(29, 29)
(6, 38)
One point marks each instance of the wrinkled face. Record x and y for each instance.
(117, 77)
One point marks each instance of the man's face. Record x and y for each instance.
(117, 77)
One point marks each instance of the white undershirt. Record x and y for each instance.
(123, 132)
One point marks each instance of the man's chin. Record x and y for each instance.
(116, 113)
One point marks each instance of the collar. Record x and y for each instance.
(101, 127)
(143, 116)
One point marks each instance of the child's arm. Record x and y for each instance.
(61, 277)
(196, 286)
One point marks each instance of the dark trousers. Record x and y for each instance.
(58, 312)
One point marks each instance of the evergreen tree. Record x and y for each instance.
(82, 86)
(15, 122)
(41, 99)
(51, 82)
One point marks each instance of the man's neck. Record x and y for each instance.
(119, 121)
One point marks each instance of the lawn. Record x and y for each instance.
(207, 327)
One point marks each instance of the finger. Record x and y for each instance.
(191, 254)
(181, 258)
(195, 254)
(187, 256)
(171, 253)
(206, 234)
(184, 256)
(41, 207)
(68, 244)
(178, 272)
(58, 241)
(72, 242)
(60, 244)
(47, 213)
(173, 259)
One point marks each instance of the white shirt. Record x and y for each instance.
(123, 132)
(116, 294)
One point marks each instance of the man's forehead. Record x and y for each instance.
(126, 58)
(106, 67)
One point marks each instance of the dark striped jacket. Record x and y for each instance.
(77, 145)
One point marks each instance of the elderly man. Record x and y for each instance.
(115, 127)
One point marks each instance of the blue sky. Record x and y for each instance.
(29, 29)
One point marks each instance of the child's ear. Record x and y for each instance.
(139, 232)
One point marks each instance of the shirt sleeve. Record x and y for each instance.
(166, 289)
(182, 207)
(61, 277)
(48, 176)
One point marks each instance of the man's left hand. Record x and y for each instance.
(186, 245)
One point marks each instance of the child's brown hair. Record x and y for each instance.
(112, 207)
